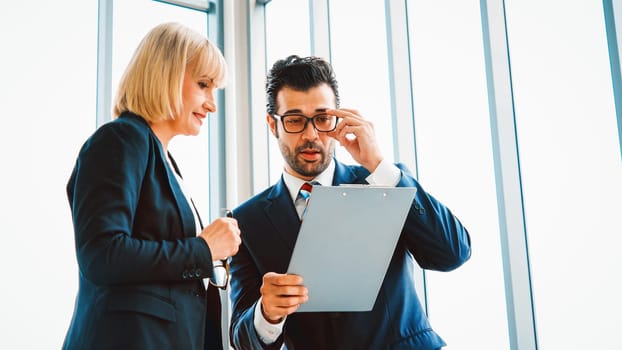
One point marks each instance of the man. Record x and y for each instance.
(303, 115)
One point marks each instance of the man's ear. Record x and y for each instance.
(272, 124)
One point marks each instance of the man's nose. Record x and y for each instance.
(309, 132)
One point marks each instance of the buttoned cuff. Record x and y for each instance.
(267, 332)
(386, 174)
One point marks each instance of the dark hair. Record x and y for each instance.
(298, 73)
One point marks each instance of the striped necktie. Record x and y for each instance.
(303, 195)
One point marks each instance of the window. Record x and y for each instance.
(454, 152)
(48, 109)
(571, 170)
(361, 66)
(285, 35)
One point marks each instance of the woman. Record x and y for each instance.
(140, 245)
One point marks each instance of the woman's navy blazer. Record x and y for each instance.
(141, 264)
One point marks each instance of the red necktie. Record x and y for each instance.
(305, 194)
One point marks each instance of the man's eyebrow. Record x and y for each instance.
(299, 111)
(291, 111)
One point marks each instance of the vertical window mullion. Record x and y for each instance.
(319, 28)
(401, 92)
(519, 300)
(104, 62)
(613, 21)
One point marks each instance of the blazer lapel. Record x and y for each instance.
(282, 214)
(185, 212)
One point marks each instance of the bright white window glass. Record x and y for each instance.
(452, 125)
(47, 98)
(190, 152)
(287, 33)
(571, 170)
(359, 57)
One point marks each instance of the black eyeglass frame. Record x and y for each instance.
(308, 119)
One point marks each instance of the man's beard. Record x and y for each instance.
(308, 169)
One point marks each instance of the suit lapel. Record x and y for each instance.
(282, 214)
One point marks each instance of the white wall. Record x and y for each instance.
(47, 108)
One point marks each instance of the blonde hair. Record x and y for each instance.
(151, 85)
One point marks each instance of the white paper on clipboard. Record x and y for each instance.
(346, 242)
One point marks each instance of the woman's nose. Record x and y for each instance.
(209, 103)
(209, 106)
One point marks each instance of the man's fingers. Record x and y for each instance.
(276, 291)
(285, 301)
(278, 307)
(282, 294)
(345, 113)
(278, 279)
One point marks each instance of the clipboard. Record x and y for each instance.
(346, 242)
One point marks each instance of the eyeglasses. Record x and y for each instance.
(296, 123)
(221, 267)
(221, 274)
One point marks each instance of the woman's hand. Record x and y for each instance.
(222, 237)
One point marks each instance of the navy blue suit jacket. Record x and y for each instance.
(269, 224)
(141, 265)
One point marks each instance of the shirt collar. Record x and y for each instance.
(325, 178)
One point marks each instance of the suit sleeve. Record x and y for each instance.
(245, 284)
(433, 235)
(104, 193)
